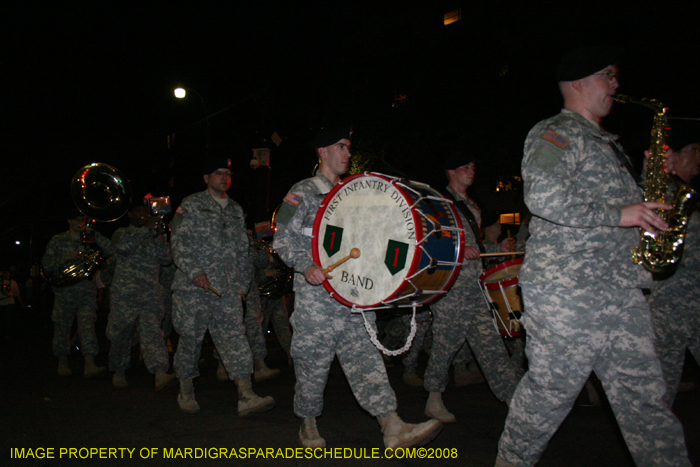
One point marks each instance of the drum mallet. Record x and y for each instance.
(209, 286)
(354, 253)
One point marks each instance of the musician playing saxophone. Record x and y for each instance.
(674, 300)
(585, 310)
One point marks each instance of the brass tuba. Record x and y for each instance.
(660, 252)
(102, 193)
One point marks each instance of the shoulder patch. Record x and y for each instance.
(180, 210)
(286, 212)
(291, 198)
(546, 156)
(555, 139)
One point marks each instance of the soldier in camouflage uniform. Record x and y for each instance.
(463, 313)
(210, 248)
(324, 328)
(136, 298)
(252, 321)
(585, 310)
(675, 300)
(77, 299)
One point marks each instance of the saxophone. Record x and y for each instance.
(660, 252)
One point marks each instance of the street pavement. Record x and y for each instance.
(72, 421)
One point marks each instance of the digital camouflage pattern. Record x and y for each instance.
(576, 195)
(207, 238)
(253, 322)
(137, 299)
(585, 310)
(75, 300)
(463, 314)
(323, 327)
(675, 312)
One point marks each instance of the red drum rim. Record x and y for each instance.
(416, 256)
(499, 267)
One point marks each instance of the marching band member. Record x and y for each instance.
(324, 328)
(582, 292)
(210, 248)
(136, 298)
(463, 314)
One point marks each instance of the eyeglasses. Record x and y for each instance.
(223, 173)
(609, 75)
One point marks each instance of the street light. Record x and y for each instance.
(181, 93)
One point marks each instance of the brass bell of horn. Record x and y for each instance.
(101, 192)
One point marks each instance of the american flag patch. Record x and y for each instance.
(180, 210)
(291, 198)
(555, 139)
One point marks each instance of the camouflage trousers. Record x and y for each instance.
(397, 331)
(275, 311)
(463, 314)
(253, 323)
(195, 312)
(129, 312)
(571, 333)
(68, 305)
(324, 329)
(675, 317)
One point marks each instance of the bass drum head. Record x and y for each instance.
(373, 213)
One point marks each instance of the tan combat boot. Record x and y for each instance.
(63, 368)
(501, 462)
(164, 380)
(399, 434)
(92, 370)
(248, 401)
(467, 374)
(436, 409)
(186, 397)
(262, 372)
(119, 379)
(411, 378)
(221, 373)
(308, 434)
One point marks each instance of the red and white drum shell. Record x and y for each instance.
(410, 238)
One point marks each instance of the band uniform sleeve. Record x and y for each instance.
(290, 242)
(559, 182)
(182, 241)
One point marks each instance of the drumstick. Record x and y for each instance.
(503, 254)
(214, 290)
(354, 253)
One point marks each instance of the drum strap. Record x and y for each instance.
(464, 208)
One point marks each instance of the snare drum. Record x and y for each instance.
(499, 285)
(410, 240)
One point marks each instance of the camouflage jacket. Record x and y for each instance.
(139, 257)
(65, 243)
(209, 239)
(295, 221)
(684, 281)
(575, 187)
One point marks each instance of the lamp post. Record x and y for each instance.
(181, 93)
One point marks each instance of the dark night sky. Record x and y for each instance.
(92, 82)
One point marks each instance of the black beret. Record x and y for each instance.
(331, 136)
(458, 159)
(584, 61)
(216, 163)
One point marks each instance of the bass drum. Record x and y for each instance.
(410, 240)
